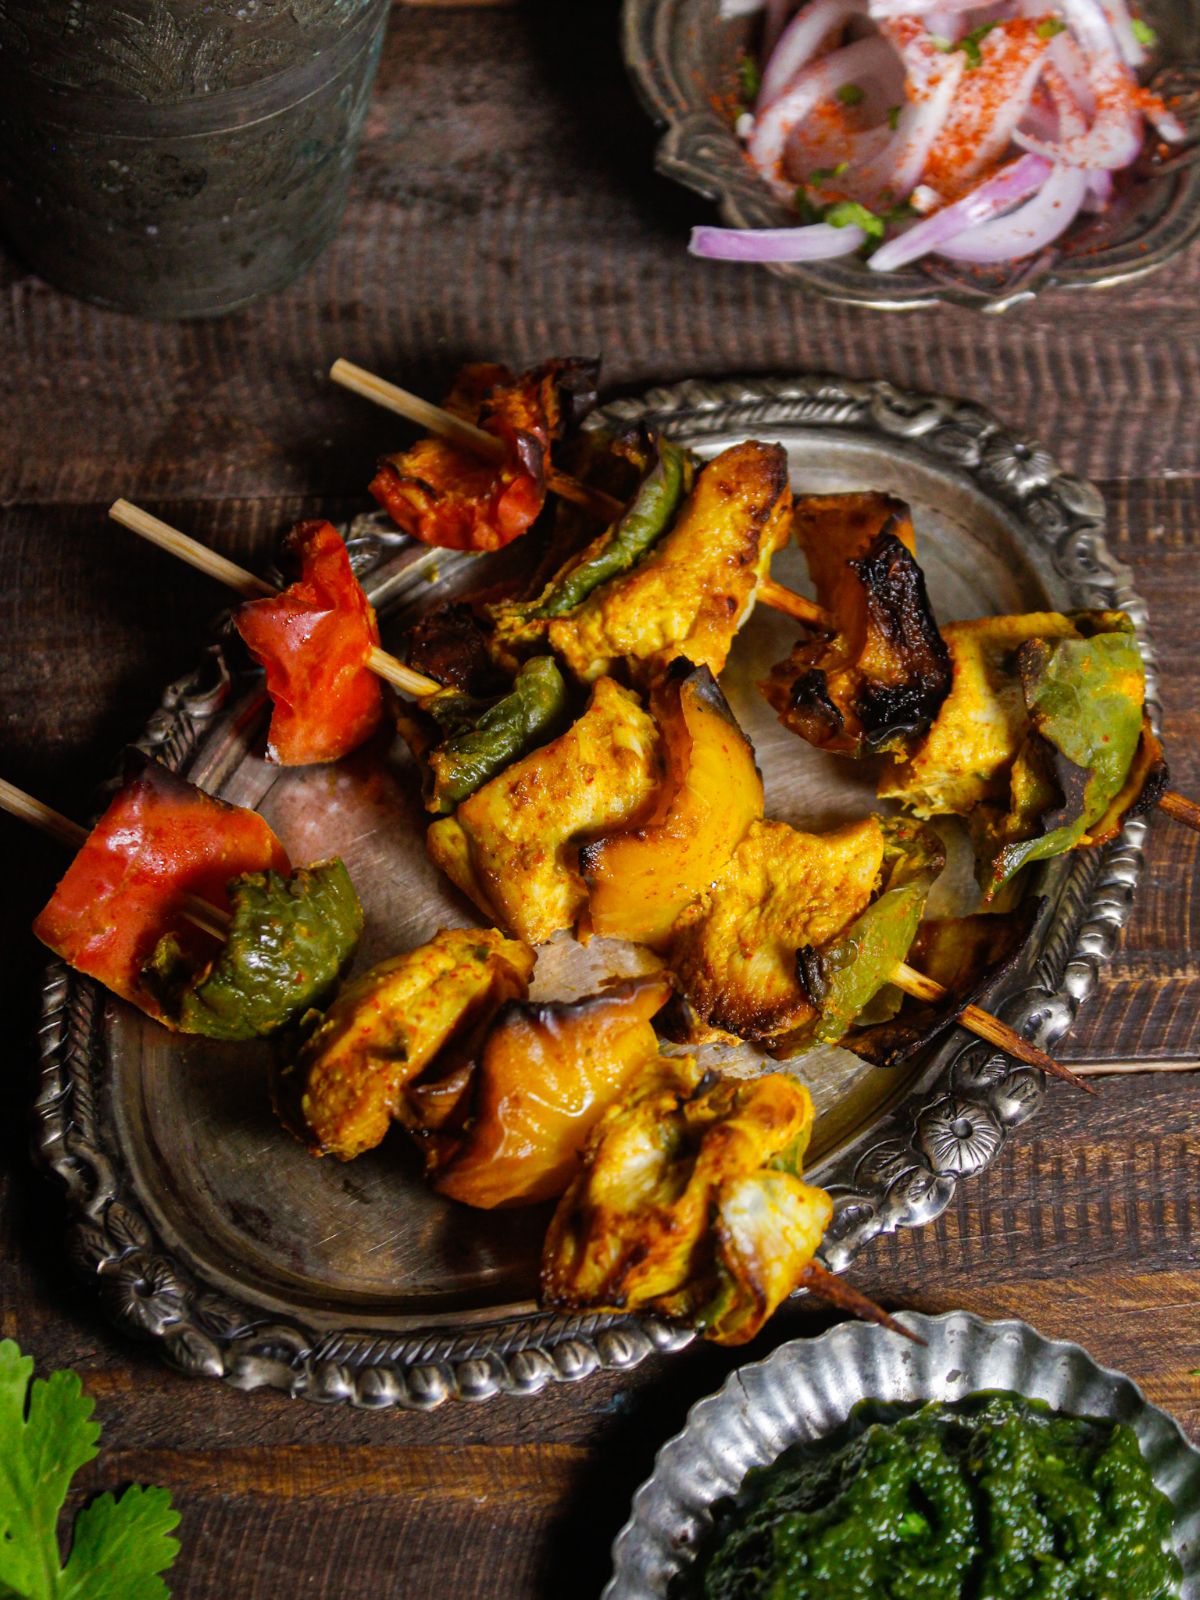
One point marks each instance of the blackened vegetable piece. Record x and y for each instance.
(289, 942)
(880, 679)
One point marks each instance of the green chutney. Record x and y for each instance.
(994, 1498)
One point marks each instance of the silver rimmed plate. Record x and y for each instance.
(208, 1229)
(683, 58)
(808, 1387)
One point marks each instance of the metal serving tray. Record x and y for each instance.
(208, 1229)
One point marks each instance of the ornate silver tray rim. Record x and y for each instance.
(902, 1174)
(807, 1387)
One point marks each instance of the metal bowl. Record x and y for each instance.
(682, 56)
(808, 1387)
(205, 1228)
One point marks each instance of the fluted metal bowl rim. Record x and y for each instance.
(671, 1509)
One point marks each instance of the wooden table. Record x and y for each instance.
(505, 206)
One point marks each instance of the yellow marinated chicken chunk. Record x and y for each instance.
(692, 592)
(734, 950)
(689, 1203)
(967, 753)
(385, 1028)
(513, 845)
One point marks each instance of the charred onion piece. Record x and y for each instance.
(639, 882)
(879, 677)
(446, 495)
(690, 1204)
(545, 1076)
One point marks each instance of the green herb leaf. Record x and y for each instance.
(893, 117)
(821, 175)
(1051, 27)
(940, 42)
(850, 214)
(46, 1435)
(851, 95)
(970, 43)
(749, 80)
(1144, 33)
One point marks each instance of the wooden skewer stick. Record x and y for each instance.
(447, 426)
(19, 804)
(251, 587)
(1181, 808)
(986, 1026)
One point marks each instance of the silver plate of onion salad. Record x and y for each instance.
(899, 153)
(905, 127)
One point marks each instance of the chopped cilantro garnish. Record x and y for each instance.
(893, 117)
(118, 1546)
(851, 95)
(820, 175)
(749, 79)
(1050, 27)
(968, 44)
(1143, 33)
(849, 214)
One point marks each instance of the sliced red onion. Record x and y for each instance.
(894, 10)
(897, 168)
(819, 241)
(1011, 185)
(1071, 120)
(1019, 82)
(1115, 136)
(800, 41)
(1027, 229)
(1100, 189)
(810, 88)
(1133, 52)
(774, 23)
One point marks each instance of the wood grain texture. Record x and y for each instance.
(505, 206)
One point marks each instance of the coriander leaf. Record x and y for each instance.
(851, 95)
(120, 1546)
(849, 214)
(1050, 27)
(940, 42)
(970, 42)
(46, 1435)
(893, 117)
(749, 79)
(823, 174)
(1143, 33)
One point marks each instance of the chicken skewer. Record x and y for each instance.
(250, 586)
(446, 425)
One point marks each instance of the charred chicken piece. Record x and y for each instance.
(384, 1029)
(440, 493)
(1043, 743)
(690, 1204)
(507, 1129)
(640, 881)
(877, 681)
(801, 932)
(513, 846)
(688, 567)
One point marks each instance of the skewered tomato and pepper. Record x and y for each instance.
(119, 912)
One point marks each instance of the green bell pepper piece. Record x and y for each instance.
(481, 743)
(649, 515)
(1085, 700)
(850, 975)
(289, 941)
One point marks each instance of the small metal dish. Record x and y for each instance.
(808, 1387)
(683, 54)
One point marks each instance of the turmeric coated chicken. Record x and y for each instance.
(801, 931)
(513, 846)
(877, 677)
(1043, 743)
(386, 1027)
(690, 1204)
(690, 584)
(443, 494)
